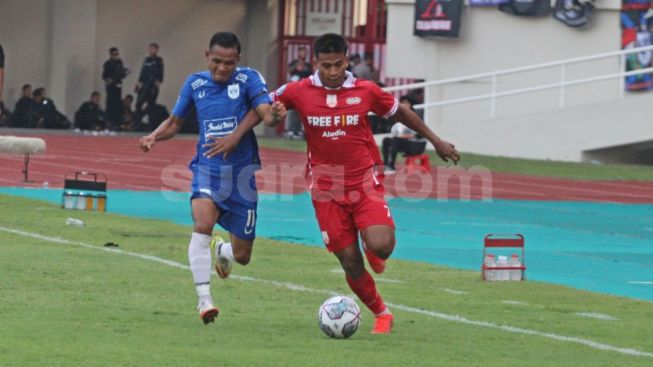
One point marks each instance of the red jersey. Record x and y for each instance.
(337, 130)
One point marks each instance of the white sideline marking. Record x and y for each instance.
(453, 291)
(517, 303)
(596, 315)
(636, 282)
(301, 288)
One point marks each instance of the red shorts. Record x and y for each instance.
(341, 218)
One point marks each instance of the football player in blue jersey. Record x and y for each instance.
(230, 101)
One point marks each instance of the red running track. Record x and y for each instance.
(164, 168)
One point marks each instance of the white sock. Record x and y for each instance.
(199, 257)
(226, 251)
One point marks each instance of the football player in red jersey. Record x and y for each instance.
(344, 170)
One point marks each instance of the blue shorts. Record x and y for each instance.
(234, 193)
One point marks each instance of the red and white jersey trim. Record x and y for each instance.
(393, 110)
(349, 82)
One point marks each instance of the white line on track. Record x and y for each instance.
(641, 282)
(301, 288)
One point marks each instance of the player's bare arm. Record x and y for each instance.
(272, 114)
(444, 149)
(168, 128)
(227, 144)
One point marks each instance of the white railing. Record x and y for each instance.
(561, 84)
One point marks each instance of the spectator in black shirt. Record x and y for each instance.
(147, 88)
(46, 113)
(402, 140)
(113, 73)
(298, 69)
(2, 77)
(90, 116)
(23, 115)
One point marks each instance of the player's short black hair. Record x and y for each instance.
(226, 40)
(38, 92)
(330, 43)
(27, 86)
(96, 93)
(113, 49)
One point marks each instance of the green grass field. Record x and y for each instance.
(584, 171)
(79, 304)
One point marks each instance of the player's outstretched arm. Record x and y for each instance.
(272, 114)
(227, 144)
(444, 149)
(166, 130)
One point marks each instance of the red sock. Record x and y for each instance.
(365, 289)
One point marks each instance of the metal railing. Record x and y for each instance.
(561, 84)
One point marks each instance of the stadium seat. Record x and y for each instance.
(420, 161)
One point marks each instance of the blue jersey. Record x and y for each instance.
(220, 108)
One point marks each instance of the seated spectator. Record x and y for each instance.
(23, 115)
(46, 113)
(354, 60)
(156, 114)
(127, 113)
(401, 140)
(4, 115)
(90, 116)
(365, 70)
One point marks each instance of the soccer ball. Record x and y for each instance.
(339, 317)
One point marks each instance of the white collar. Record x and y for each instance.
(350, 79)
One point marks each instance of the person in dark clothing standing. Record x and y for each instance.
(147, 88)
(2, 77)
(23, 115)
(113, 73)
(90, 116)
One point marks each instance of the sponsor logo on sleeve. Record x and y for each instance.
(241, 77)
(198, 83)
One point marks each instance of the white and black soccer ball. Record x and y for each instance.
(339, 317)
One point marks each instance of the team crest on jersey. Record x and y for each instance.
(233, 90)
(332, 100)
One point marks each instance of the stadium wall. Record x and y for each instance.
(491, 40)
(62, 44)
